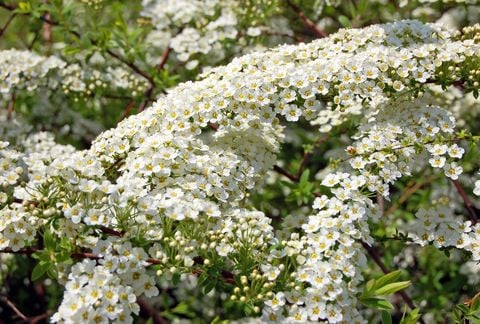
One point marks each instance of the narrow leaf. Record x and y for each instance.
(391, 288)
(386, 317)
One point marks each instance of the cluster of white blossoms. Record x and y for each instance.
(185, 167)
(106, 290)
(19, 222)
(25, 70)
(195, 29)
(28, 70)
(404, 3)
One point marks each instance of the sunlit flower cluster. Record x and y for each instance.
(178, 174)
(27, 70)
(106, 290)
(201, 29)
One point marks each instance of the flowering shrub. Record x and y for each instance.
(157, 182)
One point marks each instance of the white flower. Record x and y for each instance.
(452, 170)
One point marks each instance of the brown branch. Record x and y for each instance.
(2, 31)
(470, 301)
(127, 110)
(111, 231)
(148, 95)
(164, 59)
(14, 308)
(307, 155)
(6, 6)
(148, 310)
(39, 318)
(466, 201)
(131, 65)
(285, 173)
(372, 251)
(10, 107)
(47, 29)
(409, 191)
(213, 126)
(306, 21)
(227, 276)
(113, 54)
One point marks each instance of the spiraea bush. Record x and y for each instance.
(252, 161)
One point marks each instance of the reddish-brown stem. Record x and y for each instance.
(39, 318)
(151, 312)
(307, 155)
(14, 308)
(2, 31)
(164, 59)
(409, 191)
(213, 126)
(148, 96)
(466, 201)
(285, 173)
(47, 29)
(10, 107)
(306, 21)
(127, 110)
(471, 300)
(227, 276)
(113, 54)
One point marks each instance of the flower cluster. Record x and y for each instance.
(25, 70)
(107, 290)
(28, 70)
(195, 29)
(178, 174)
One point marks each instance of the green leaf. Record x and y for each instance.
(39, 270)
(49, 241)
(176, 278)
(369, 288)
(412, 318)
(24, 7)
(388, 278)
(392, 288)
(386, 317)
(209, 286)
(475, 306)
(344, 21)
(183, 309)
(304, 177)
(377, 303)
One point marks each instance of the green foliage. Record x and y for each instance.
(376, 289)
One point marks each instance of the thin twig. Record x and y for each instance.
(307, 155)
(409, 191)
(306, 21)
(148, 310)
(11, 106)
(285, 173)
(164, 59)
(127, 110)
(466, 201)
(148, 95)
(227, 276)
(13, 307)
(2, 31)
(47, 30)
(471, 300)
(113, 54)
